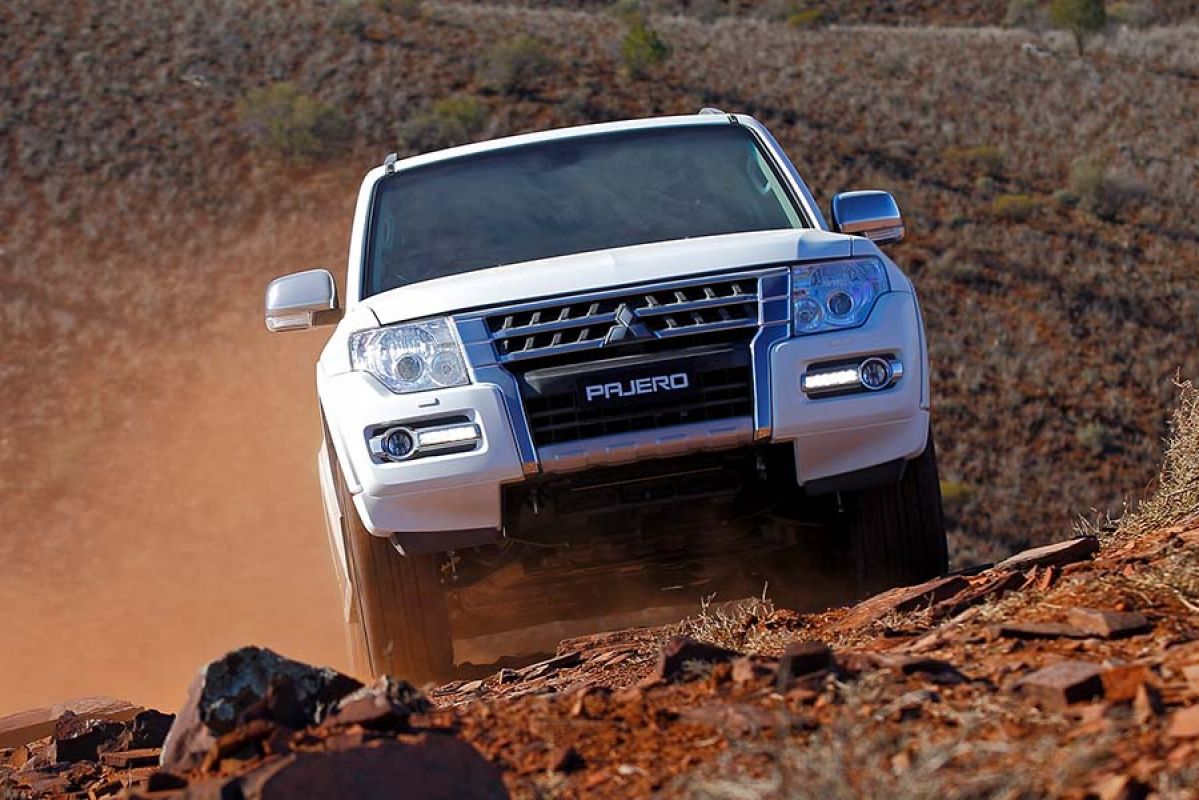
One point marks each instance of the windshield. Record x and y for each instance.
(571, 196)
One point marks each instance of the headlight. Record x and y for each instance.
(834, 295)
(410, 358)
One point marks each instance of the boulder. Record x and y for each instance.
(250, 683)
(426, 767)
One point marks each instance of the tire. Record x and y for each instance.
(897, 531)
(400, 622)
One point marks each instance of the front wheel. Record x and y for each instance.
(401, 624)
(897, 531)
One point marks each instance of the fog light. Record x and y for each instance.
(453, 436)
(398, 444)
(875, 374)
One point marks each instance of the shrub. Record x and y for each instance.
(513, 66)
(1015, 207)
(1082, 18)
(1102, 191)
(642, 49)
(1026, 14)
(983, 159)
(452, 120)
(806, 18)
(1134, 14)
(405, 9)
(282, 118)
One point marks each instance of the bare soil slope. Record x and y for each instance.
(157, 501)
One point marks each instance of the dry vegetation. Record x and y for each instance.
(142, 140)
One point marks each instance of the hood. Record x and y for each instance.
(605, 269)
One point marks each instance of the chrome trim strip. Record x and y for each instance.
(775, 319)
(656, 443)
(554, 325)
(483, 368)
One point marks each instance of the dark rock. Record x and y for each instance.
(164, 781)
(427, 767)
(552, 665)
(385, 705)
(934, 669)
(803, 658)
(249, 683)
(1109, 624)
(1058, 554)
(148, 729)
(675, 655)
(80, 739)
(1064, 683)
(565, 759)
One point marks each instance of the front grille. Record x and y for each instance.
(720, 387)
(631, 316)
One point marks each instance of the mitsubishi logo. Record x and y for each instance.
(627, 327)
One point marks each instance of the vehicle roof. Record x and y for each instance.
(568, 133)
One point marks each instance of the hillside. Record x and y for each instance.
(1049, 201)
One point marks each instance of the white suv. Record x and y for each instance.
(592, 367)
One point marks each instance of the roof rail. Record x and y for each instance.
(389, 163)
(710, 110)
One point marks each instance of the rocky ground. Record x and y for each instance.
(1069, 670)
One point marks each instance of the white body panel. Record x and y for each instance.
(461, 491)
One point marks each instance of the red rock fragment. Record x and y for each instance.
(995, 585)
(128, 759)
(1108, 624)
(1147, 705)
(904, 599)
(1184, 724)
(1120, 787)
(1120, 684)
(1191, 674)
(675, 655)
(165, 781)
(1039, 630)
(1064, 683)
(1058, 554)
(552, 665)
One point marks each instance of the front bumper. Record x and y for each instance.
(458, 495)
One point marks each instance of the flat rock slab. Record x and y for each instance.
(1039, 630)
(1109, 624)
(1184, 724)
(904, 599)
(1058, 554)
(1062, 684)
(128, 759)
(27, 726)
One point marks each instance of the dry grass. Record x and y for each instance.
(736, 626)
(953, 754)
(1176, 496)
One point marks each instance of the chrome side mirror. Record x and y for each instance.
(871, 213)
(302, 300)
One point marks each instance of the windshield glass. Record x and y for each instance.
(571, 196)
